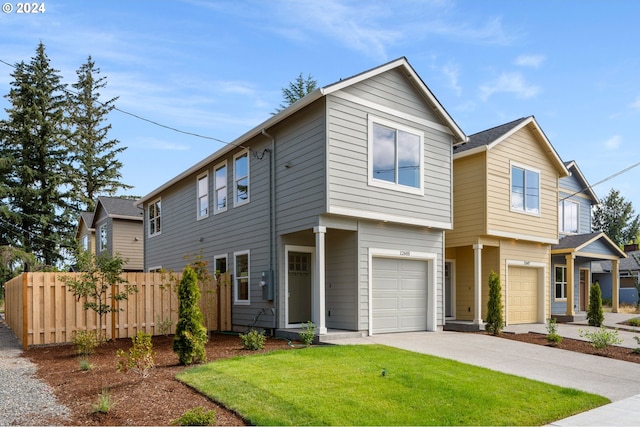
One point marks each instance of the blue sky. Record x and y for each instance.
(217, 68)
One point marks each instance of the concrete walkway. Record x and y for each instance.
(614, 379)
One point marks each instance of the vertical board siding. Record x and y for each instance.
(524, 149)
(53, 313)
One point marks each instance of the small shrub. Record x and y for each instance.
(105, 402)
(191, 335)
(601, 338)
(552, 332)
(196, 417)
(164, 325)
(253, 340)
(495, 321)
(595, 314)
(308, 333)
(141, 357)
(85, 365)
(86, 342)
(634, 322)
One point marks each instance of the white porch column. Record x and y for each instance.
(319, 281)
(477, 281)
(615, 285)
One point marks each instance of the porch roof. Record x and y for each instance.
(589, 245)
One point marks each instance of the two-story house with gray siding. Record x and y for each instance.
(331, 211)
(579, 249)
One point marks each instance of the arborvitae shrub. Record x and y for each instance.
(595, 315)
(495, 321)
(191, 335)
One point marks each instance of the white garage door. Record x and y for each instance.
(399, 295)
(523, 295)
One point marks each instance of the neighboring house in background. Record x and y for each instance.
(331, 211)
(629, 276)
(85, 233)
(505, 220)
(118, 228)
(575, 255)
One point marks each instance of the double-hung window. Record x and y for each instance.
(396, 159)
(525, 190)
(220, 187)
(241, 278)
(241, 178)
(203, 196)
(560, 285)
(153, 218)
(568, 216)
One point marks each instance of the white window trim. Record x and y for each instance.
(530, 169)
(102, 246)
(198, 196)
(566, 271)
(217, 257)
(155, 269)
(386, 184)
(154, 202)
(236, 276)
(220, 165)
(235, 179)
(561, 217)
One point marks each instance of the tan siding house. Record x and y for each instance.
(505, 220)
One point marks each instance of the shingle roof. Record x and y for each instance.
(625, 264)
(87, 217)
(574, 241)
(488, 136)
(120, 207)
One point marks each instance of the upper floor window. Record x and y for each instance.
(395, 156)
(241, 178)
(85, 242)
(241, 278)
(155, 225)
(203, 196)
(220, 188)
(103, 237)
(568, 216)
(525, 190)
(560, 284)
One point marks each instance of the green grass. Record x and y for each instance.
(378, 385)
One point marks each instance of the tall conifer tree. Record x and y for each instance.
(96, 168)
(33, 139)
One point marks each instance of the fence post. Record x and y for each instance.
(25, 311)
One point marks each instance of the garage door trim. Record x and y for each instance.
(432, 282)
(541, 288)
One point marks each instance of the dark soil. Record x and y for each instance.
(156, 400)
(160, 398)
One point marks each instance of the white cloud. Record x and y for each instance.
(613, 143)
(509, 83)
(452, 73)
(533, 61)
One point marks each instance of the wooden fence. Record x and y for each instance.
(40, 310)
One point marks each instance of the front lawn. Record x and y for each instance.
(379, 385)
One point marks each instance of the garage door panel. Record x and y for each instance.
(399, 295)
(523, 295)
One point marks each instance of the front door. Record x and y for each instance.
(584, 289)
(299, 291)
(448, 289)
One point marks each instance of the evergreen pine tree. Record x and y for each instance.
(296, 90)
(96, 170)
(595, 315)
(33, 139)
(495, 321)
(191, 335)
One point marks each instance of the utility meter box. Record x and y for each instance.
(266, 283)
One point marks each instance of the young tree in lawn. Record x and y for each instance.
(191, 335)
(616, 217)
(34, 163)
(296, 90)
(495, 321)
(96, 169)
